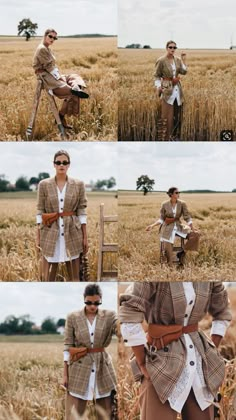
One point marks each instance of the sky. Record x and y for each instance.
(41, 300)
(68, 17)
(193, 165)
(89, 160)
(190, 23)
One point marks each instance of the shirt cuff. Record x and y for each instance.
(66, 356)
(133, 334)
(160, 221)
(184, 67)
(39, 218)
(190, 222)
(158, 83)
(219, 327)
(55, 73)
(83, 219)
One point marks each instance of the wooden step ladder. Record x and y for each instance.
(53, 106)
(105, 247)
(176, 249)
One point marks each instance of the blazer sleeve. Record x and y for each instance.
(43, 59)
(41, 198)
(185, 213)
(163, 212)
(82, 203)
(136, 302)
(181, 69)
(69, 336)
(158, 69)
(219, 303)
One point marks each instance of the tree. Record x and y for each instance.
(111, 182)
(61, 322)
(145, 184)
(22, 184)
(146, 46)
(33, 180)
(3, 183)
(43, 175)
(100, 184)
(49, 326)
(27, 27)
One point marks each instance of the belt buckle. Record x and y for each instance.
(153, 349)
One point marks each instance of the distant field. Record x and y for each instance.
(213, 214)
(209, 90)
(18, 255)
(31, 377)
(94, 59)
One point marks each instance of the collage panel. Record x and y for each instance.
(177, 357)
(43, 324)
(58, 71)
(69, 202)
(176, 212)
(177, 68)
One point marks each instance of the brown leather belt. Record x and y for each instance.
(77, 352)
(159, 336)
(169, 220)
(49, 218)
(39, 71)
(167, 78)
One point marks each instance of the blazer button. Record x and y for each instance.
(166, 349)
(62, 225)
(185, 316)
(125, 341)
(62, 234)
(191, 301)
(191, 346)
(80, 361)
(92, 370)
(192, 363)
(91, 333)
(61, 199)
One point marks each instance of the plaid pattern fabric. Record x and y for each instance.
(163, 69)
(165, 303)
(75, 200)
(77, 335)
(181, 211)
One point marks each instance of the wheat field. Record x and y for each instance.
(214, 215)
(19, 259)
(128, 390)
(31, 377)
(209, 90)
(94, 59)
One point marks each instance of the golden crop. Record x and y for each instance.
(209, 90)
(213, 214)
(94, 59)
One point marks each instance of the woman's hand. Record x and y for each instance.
(216, 339)
(183, 57)
(65, 376)
(144, 371)
(159, 91)
(148, 228)
(85, 245)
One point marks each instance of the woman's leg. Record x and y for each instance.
(45, 269)
(74, 407)
(177, 119)
(103, 408)
(191, 410)
(73, 269)
(52, 271)
(167, 112)
(150, 405)
(168, 248)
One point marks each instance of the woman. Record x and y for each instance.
(92, 376)
(61, 219)
(180, 372)
(171, 212)
(67, 87)
(169, 88)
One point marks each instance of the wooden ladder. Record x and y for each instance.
(176, 248)
(105, 247)
(53, 106)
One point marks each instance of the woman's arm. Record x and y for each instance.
(220, 311)
(160, 221)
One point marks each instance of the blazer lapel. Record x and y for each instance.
(82, 327)
(179, 301)
(52, 192)
(99, 330)
(170, 209)
(68, 194)
(202, 290)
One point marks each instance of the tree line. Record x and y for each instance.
(23, 325)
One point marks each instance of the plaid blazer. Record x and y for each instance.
(163, 69)
(77, 335)
(75, 200)
(165, 303)
(166, 211)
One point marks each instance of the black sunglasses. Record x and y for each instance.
(64, 162)
(172, 48)
(176, 192)
(89, 303)
(52, 37)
